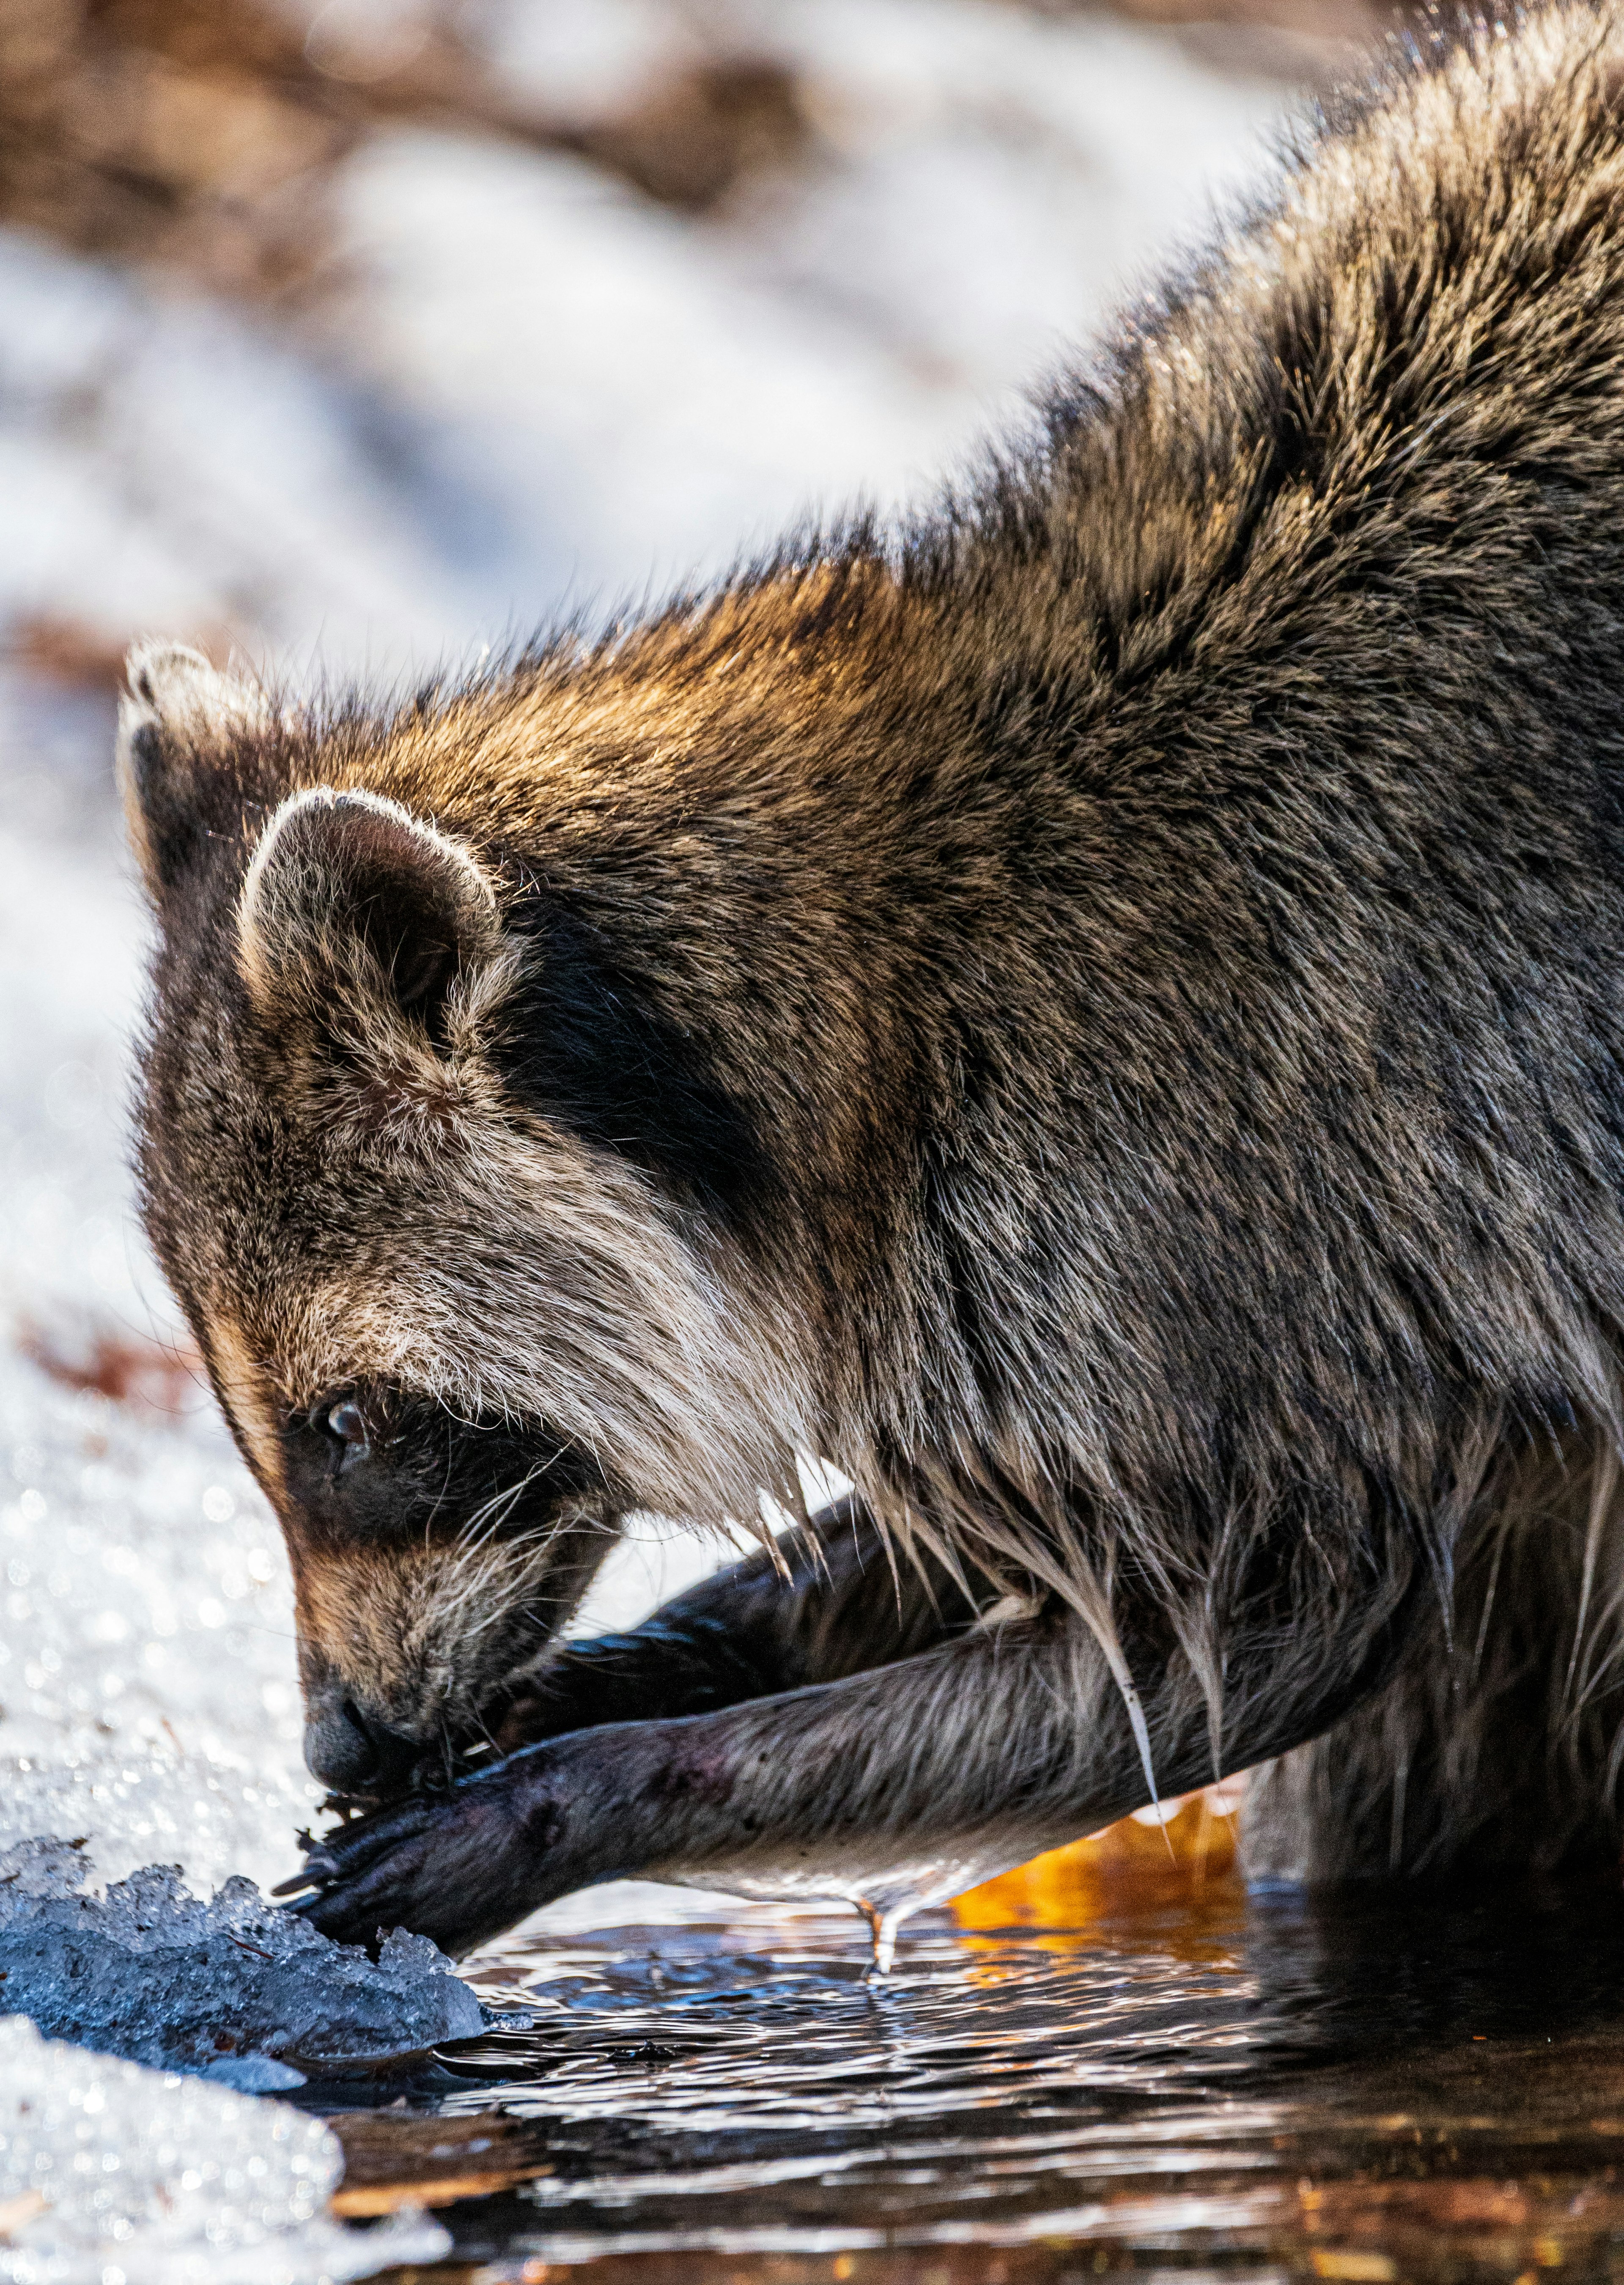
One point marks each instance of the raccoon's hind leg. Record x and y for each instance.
(832, 1600)
(1497, 1747)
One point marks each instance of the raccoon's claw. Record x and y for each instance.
(346, 1854)
(458, 1866)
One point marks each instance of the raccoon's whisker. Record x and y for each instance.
(445, 1485)
(473, 1633)
(1603, 1486)
(472, 1536)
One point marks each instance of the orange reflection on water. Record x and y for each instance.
(1132, 1866)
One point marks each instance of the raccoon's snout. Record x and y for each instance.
(354, 1753)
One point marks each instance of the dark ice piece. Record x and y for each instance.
(151, 1972)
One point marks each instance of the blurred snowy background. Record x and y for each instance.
(357, 336)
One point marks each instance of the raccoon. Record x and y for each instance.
(1097, 1013)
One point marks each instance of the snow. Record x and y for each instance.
(986, 197)
(147, 1690)
(623, 399)
(111, 2174)
(166, 464)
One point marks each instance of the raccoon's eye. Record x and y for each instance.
(346, 1426)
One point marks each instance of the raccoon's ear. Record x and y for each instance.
(349, 893)
(177, 718)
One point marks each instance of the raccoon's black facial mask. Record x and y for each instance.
(373, 1463)
(436, 1557)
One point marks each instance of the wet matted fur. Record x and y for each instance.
(1098, 1013)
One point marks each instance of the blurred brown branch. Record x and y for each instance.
(1340, 21)
(201, 132)
(170, 129)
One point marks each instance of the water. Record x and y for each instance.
(1193, 2082)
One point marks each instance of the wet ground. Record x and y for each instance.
(1184, 2080)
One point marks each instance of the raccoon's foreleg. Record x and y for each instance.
(833, 1599)
(891, 1787)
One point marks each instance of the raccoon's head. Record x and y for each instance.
(457, 1334)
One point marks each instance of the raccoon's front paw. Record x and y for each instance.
(459, 1866)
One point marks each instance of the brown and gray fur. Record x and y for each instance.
(1101, 1014)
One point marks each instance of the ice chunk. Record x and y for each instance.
(253, 2075)
(109, 2170)
(151, 1972)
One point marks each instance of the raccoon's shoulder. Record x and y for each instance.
(1414, 322)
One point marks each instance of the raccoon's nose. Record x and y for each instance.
(354, 1753)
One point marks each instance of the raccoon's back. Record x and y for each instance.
(1317, 589)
